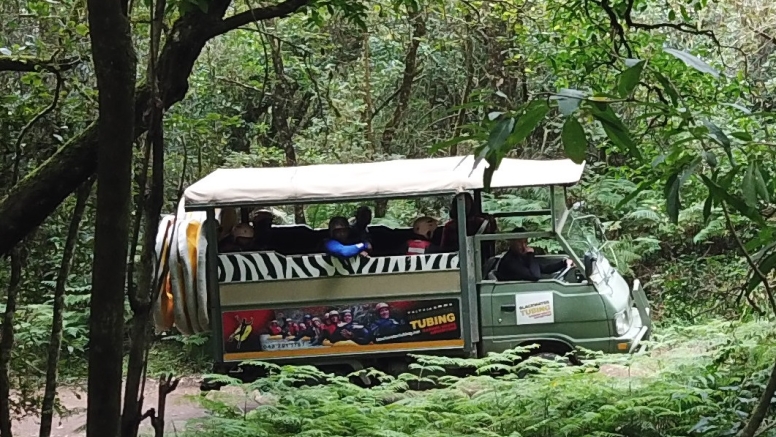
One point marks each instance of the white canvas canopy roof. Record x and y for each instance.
(385, 179)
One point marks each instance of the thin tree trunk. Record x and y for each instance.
(114, 64)
(6, 342)
(760, 411)
(369, 113)
(405, 92)
(55, 340)
(142, 296)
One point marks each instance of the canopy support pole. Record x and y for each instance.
(213, 295)
(470, 314)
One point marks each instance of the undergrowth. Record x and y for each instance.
(700, 380)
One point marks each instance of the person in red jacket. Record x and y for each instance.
(420, 243)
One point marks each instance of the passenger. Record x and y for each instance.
(241, 241)
(289, 328)
(262, 228)
(423, 229)
(348, 330)
(333, 322)
(384, 325)
(226, 222)
(519, 262)
(358, 230)
(319, 333)
(474, 222)
(274, 328)
(337, 245)
(306, 328)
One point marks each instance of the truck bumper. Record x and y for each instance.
(641, 322)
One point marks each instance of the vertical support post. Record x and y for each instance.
(244, 215)
(213, 295)
(553, 213)
(469, 306)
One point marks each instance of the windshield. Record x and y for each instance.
(583, 233)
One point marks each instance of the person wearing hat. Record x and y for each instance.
(262, 226)
(423, 229)
(307, 328)
(519, 262)
(241, 241)
(338, 243)
(349, 330)
(289, 328)
(385, 325)
(358, 230)
(334, 319)
(274, 328)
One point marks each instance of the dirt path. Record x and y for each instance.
(180, 408)
(182, 405)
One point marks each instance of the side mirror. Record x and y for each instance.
(589, 264)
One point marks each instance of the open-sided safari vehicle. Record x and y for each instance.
(260, 305)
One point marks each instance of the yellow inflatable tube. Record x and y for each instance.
(182, 301)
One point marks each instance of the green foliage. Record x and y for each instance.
(695, 382)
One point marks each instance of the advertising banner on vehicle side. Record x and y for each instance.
(341, 329)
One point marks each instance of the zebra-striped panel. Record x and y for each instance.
(263, 266)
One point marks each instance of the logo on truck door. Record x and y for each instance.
(344, 329)
(535, 308)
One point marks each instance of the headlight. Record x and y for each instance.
(622, 322)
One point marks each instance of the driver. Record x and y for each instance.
(520, 264)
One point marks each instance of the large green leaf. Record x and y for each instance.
(496, 140)
(692, 61)
(574, 140)
(716, 134)
(526, 123)
(762, 188)
(500, 133)
(710, 158)
(748, 186)
(667, 87)
(707, 205)
(629, 79)
(456, 140)
(722, 195)
(569, 100)
(671, 192)
(765, 267)
(615, 129)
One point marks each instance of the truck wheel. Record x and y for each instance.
(209, 385)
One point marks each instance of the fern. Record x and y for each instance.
(695, 380)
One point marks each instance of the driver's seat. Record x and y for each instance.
(490, 267)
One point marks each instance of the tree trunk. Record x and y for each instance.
(55, 340)
(760, 411)
(33, 199)
(142, 296)
(404, 94)
(6, 342)
(114, 64)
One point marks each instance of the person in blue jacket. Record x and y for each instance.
(337, 245)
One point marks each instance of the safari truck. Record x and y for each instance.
(269, 305)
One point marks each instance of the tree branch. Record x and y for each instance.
(28, 126)
(280, 10)
(30, 64)
(749, 259)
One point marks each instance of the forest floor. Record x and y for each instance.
(182, 405)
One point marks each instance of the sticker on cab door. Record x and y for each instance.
(535, 308)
